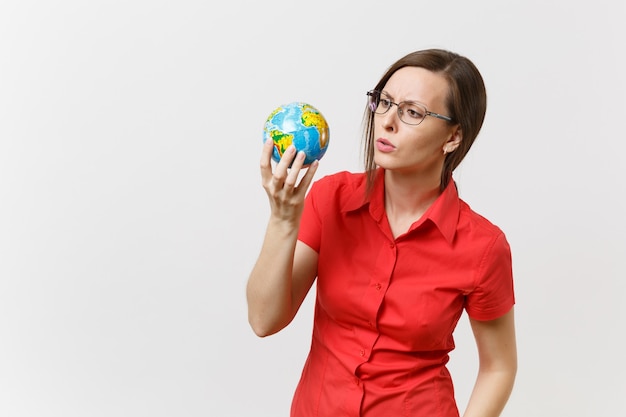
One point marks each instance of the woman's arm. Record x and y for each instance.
(497, 353)
(285, 268)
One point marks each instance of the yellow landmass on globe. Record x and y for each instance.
(311, 117)
(281, 141)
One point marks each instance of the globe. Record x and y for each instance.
(299, 124)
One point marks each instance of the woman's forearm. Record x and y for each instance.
(491, 392)
(269, 289)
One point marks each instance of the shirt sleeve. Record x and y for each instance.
(310, 231)
(493, 295)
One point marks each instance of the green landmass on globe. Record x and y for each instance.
(299, 124)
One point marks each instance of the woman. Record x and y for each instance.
(396, 254)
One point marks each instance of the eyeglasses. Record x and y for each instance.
(409, 112)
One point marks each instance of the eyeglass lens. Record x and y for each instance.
(409, 112)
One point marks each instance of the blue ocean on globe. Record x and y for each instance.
(301, 124)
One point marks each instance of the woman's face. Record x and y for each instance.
(415, 149)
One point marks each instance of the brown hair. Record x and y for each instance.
(466, 103)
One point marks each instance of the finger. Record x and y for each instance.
(266, 160)
(282, 168)
(306, 180)
(294, 171)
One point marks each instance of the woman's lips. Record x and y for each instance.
(384, 145)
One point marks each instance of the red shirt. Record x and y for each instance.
(386, 308)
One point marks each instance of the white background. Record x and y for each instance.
(131, 210)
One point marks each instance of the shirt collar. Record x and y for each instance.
(443, 213)
(359, 198)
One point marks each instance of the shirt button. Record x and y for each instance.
(392, 245)
(378, 286)
(362, 352)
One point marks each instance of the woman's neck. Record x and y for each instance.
(407, 198)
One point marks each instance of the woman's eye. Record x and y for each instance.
(385, 103)
(414, 113)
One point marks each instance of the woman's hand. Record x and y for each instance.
(285, 193)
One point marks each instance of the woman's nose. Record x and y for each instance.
(391, 118)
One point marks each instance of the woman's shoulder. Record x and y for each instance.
(339, 189)
(341, 181)
(478, 222)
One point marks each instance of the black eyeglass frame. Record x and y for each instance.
(375, 94)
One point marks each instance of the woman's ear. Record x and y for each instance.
(454, 141)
